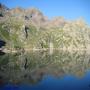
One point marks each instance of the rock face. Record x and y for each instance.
(2, 43)
(29, 28)
(3, 10)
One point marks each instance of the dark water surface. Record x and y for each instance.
(45, 70)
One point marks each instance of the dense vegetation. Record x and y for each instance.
(29, 29)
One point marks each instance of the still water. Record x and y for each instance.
(42, 70)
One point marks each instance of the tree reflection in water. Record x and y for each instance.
(30, 67)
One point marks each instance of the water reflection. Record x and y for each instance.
(32, 67)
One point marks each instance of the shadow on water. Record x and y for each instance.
(44, 71)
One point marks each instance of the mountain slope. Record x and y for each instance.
(29, 28)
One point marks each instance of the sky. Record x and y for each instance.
(69, 9)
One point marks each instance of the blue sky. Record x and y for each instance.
(70, 9)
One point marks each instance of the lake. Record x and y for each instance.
(45, 70)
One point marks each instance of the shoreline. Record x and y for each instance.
(43, 49)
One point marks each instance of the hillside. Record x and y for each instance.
(30, 29)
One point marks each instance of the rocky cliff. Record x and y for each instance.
(29, 28)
